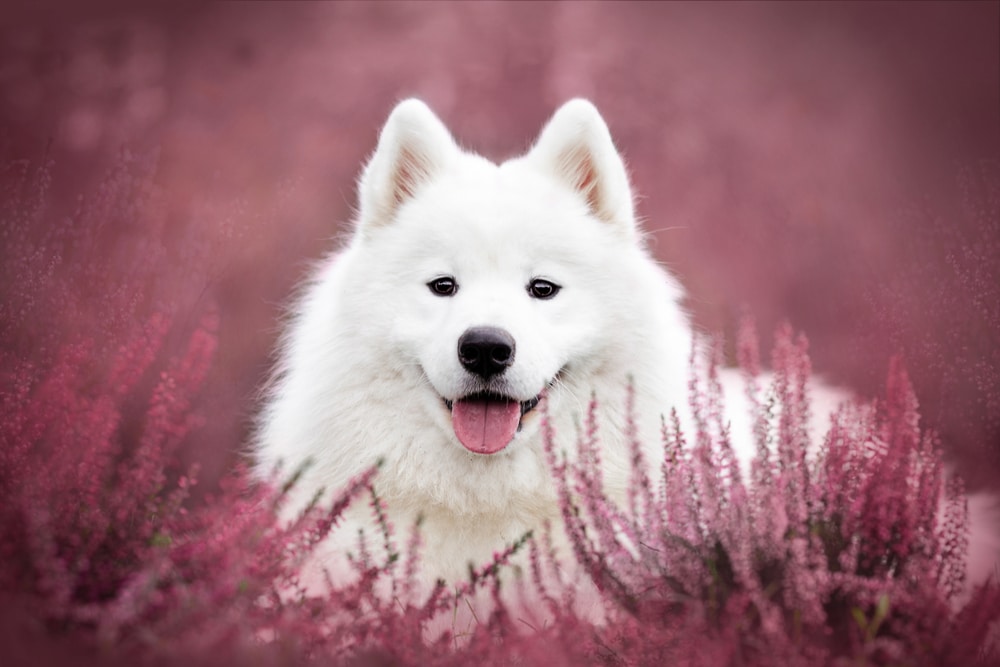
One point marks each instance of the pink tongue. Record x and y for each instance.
(485, 427)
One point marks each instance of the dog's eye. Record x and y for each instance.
(443, 286)
(543, 289)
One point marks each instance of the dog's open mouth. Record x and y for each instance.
(485, 423)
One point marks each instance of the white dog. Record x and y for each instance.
(469, 293)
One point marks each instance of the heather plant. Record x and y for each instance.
(843, 555)
(951, 263)
(810, 559)
(849, 551)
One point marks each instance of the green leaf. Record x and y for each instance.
(881, 612)
(160, 540)
(859, 618)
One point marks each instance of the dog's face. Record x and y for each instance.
(498, 277)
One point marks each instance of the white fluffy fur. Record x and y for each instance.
(371, 352)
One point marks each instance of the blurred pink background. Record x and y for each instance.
(831, 164)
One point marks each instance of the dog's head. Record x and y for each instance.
(500, 282)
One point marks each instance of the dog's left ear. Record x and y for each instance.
(576, 145)
(413, 146)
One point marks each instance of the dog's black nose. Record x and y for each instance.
(486, 351)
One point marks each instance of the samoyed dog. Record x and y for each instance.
(469, 294)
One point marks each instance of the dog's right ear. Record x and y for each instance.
(412, 147)
(576, 146)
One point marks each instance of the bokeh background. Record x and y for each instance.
(836, 165)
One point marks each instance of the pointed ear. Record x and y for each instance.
(413, 146)
(576, 146)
